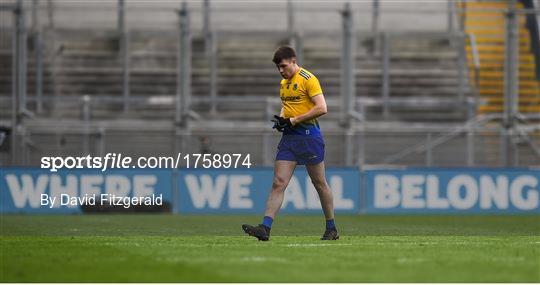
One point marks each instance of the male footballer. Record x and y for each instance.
(302, 102)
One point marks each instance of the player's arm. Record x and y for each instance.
(318, 110)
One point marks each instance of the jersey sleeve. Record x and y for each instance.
(313, 86)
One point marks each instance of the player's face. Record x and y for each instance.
(287, 68)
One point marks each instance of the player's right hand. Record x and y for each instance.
(281, 123)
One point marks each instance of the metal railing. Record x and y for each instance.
(374, 145)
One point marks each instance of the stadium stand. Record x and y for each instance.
(424, 76)
(486, 22)
(423, 68)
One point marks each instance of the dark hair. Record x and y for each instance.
(282, 53)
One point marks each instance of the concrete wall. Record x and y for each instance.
(244, 14)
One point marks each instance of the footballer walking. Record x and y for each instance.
(302, 102)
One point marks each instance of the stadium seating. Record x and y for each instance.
(422, 68)
(80, 61)
(488, 26)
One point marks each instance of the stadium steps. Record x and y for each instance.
(6, 82)
(488, 27)
(419, 67)
(90, 65)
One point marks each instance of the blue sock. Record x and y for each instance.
(330, 224)
(267, 221)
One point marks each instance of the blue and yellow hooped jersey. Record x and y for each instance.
(295, 94)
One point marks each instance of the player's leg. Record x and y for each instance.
(318, 178)
(283, 171)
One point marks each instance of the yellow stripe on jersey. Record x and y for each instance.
(295, 94)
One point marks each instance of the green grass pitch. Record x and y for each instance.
(174, 248)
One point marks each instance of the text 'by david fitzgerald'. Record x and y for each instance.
(104, 199)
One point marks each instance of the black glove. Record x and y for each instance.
(281, 123)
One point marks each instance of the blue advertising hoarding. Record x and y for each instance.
(234, 191)
(452, 191)
(35, 190)
(245, 191)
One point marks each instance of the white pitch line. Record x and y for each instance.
(411, 260)
(316, 244)
(508, 259)
(176, 259)
(262, 259)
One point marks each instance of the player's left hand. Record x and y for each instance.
(281, 123)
